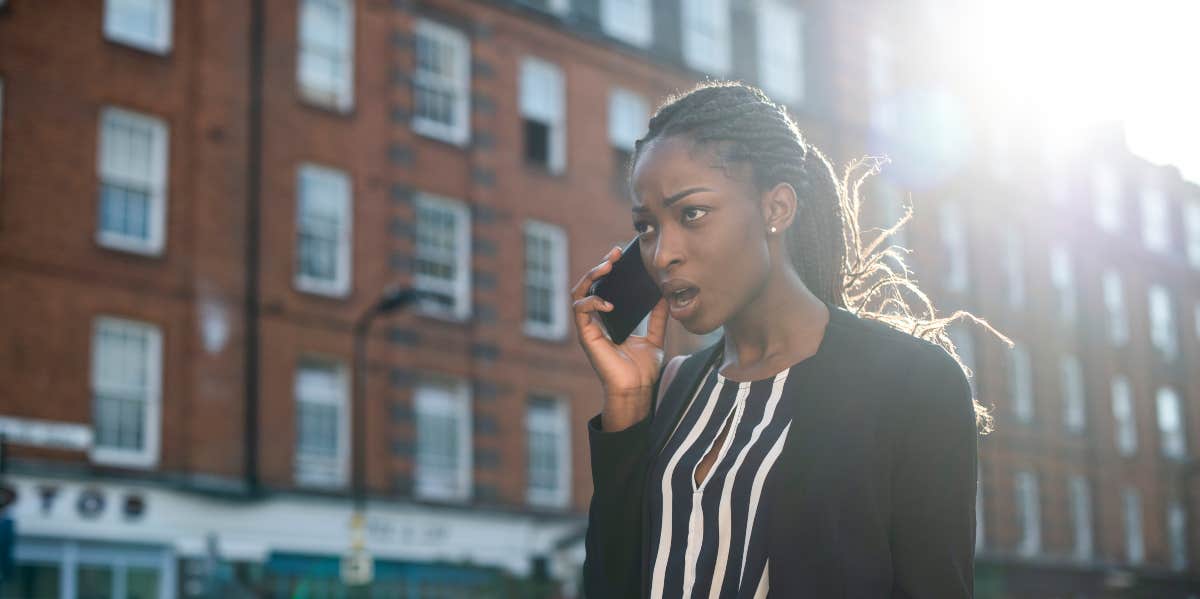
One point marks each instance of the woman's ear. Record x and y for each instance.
(779, 207)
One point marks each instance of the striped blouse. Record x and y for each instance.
(707, 540)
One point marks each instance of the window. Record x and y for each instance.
(323, 222)
(133, 181)
(442, 83)
(964, 345)
(1081, 515)
(558, 7)
(954, 246)
(880, 82)
(1074, 412)
(1191, 226)
(1155, 230)
(1114, 306)
(1123, 415)
(706, 35)
(1106, 187)
(781, 50)
(1177, 534)
(322, 423)
(49, 569)
(545, 280)
(630, 21)
(143, 24)
(325, 67)
(443, 466)
(126, 392)
(627, 118)
(1028, 514)
(1162, 323)
(1063, 280)
(1014, 267)
(1135, 550)
(549, 440)
(543, 114)
(1170, 424)
(443, 261)
(1020, 377)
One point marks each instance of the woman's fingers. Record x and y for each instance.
(657, 327)
(585, 282)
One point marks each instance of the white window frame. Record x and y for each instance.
(1124, 416)
(1081, 516)
(1162, 322)
(445, 397)
(1131, 512)
(460, 288)
(1062, 278)
(780, 40)
(1177, 534)
(1014, 266)
(155, 183)
(559, 419)
(628, 113)
(952, 228)
(1029, 517)
(556, 329)
(1106, 187)
(69, 555)
(338, 95)
(1073, 394)
(1191, 227)
(631, 21)
(159, 42)
(1020, 371)
(458, 85)
(148, 455)
(328, 178)
(708, 53)
(1156, 232)
(320, 471)
(542, 97)
(1114, 306)
(1172, 429)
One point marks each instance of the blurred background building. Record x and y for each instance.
(199, 199)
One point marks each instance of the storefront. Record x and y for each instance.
(78, 538)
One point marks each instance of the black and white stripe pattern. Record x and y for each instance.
(699, 542)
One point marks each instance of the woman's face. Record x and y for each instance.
(700, 230)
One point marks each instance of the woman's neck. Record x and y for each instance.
(783, 324)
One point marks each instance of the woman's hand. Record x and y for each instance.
(627, 371)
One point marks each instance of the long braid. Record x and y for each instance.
(824, 242)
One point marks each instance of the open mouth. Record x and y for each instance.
(684, 297)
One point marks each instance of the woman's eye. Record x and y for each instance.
(687, 211)
(639, 227)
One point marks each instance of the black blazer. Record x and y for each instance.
(872, 497)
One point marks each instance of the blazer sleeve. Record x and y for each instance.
(612, 564)
(934, 481)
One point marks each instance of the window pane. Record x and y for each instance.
(32, 580)
(95, 582)
(141, 583)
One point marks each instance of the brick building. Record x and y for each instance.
(198, 201)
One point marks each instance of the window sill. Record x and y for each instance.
(339, 290)
(130, 245)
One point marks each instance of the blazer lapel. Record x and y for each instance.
(683, 386)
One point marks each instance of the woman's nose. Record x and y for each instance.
(667, 250)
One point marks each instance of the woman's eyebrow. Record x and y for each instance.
(674, 198)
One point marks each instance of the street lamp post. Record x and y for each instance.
(357, 566)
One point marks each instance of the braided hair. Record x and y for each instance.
(823, 242)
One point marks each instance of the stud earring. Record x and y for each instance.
(772, 229)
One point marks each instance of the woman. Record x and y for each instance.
(813, 451)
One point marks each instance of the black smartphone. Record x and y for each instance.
(630, 289)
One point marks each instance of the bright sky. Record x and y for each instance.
(1078, 61)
